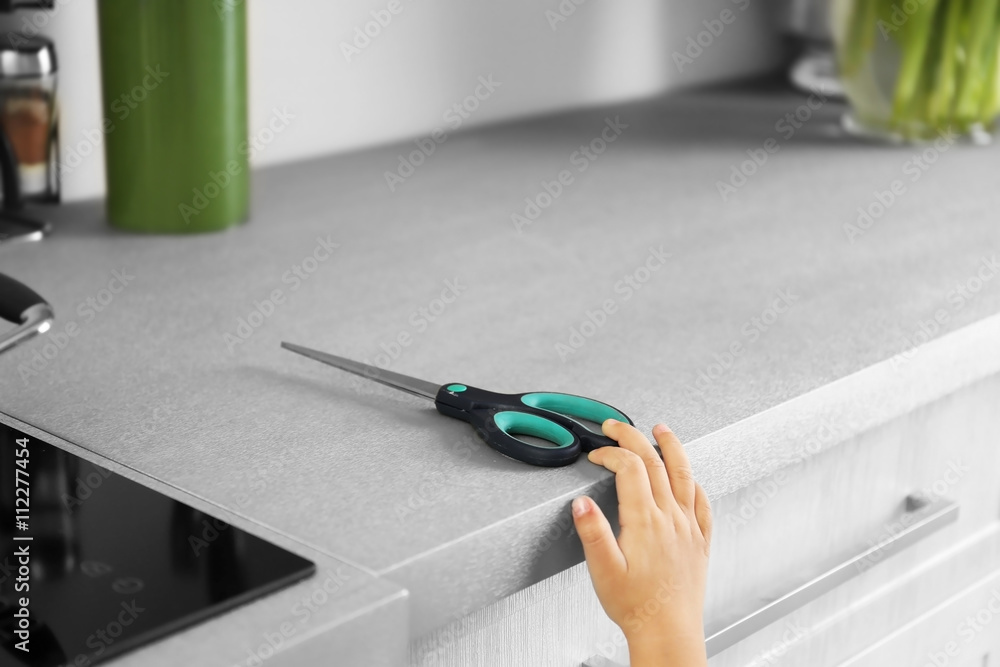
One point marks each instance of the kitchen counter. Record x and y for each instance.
(743, 316)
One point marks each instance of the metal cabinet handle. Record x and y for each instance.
(20, 305)
(921, 518)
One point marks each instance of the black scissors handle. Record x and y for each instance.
(499, 418)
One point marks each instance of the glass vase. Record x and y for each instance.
(916, 69)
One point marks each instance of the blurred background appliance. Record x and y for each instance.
(28, 118)
(814, 68)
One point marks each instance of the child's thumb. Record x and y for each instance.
(599, 544)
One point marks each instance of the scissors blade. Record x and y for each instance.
(395, 380)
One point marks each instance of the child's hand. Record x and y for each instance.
(651, 581)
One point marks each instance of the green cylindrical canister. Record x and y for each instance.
(174, 81)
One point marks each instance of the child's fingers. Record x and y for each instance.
(630, 438)
(703, 512)
(604, 557)
(635, 499)
(678, 467)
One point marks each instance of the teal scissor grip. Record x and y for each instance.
(574, 406)
(522, 423)
(557, 418)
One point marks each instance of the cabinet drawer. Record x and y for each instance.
(833, 629)
(774, 536)
(962, 630)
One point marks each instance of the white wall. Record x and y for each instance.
(425, 60)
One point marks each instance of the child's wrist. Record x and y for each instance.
(684, 649)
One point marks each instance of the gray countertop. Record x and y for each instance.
(380, 481)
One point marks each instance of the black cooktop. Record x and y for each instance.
(93, 564)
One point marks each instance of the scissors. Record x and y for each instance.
(499, 418)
